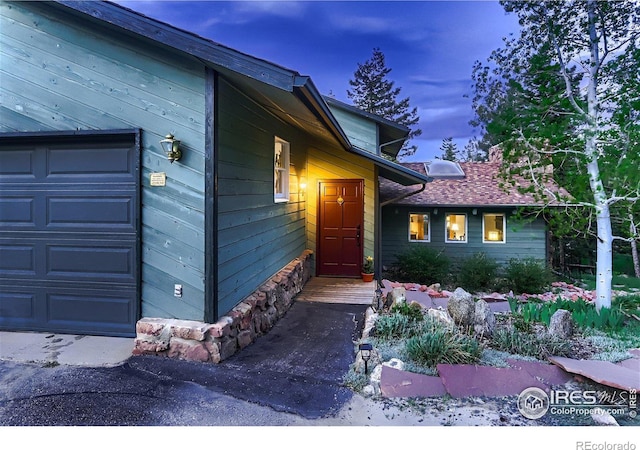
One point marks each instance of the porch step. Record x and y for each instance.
(338, 290)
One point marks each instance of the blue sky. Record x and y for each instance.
(429, 45)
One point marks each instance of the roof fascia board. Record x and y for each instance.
(381, 120)
(168, 35)
(310, 96)
(406, 176)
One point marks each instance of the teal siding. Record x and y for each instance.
(362, 132)
(257, 237)
(58, 73)
(523, 240)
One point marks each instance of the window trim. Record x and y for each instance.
(504, 228)
(286, 170)
(428, 239)
(466, 227)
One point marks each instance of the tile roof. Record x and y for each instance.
(479, 187)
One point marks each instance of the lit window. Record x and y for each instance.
(456, 228)
(493, 226)
(419, 227)
(281, 171)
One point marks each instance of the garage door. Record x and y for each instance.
(69, 250)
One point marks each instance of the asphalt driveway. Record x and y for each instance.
(293, 372)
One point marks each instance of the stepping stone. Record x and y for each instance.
(398, 383)
(631, 363)
(603, 372)
(549, 374)
(466, 380)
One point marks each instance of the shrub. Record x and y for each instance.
(583, 314)
(437, 343)
(412, 310)
(395, 325)
(421, 265)
(527, 276)
(477, 272)
(527, 344)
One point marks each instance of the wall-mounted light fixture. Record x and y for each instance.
(474, 211)
(171, 147)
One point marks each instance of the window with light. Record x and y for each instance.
(456, 228)
(493, 228)
(419, 228)
(281, 171)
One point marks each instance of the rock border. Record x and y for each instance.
(214, 342)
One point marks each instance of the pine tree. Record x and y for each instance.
(449, 150)
(373, 92)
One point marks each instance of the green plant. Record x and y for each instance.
(437, 343)
(421, 265)
(394, 325)
(529, 344)
(477, 272)
(412, 310)
(367, 265)
(527, 276)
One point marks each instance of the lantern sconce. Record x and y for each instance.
(171, 147)
(474, 212)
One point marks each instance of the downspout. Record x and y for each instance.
(403, 196)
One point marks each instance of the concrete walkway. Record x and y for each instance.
(64, 349)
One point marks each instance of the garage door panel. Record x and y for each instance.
(17, 165)
(17, 259)
(90, 165)
(88, 211)
(90, 311)
(17, 305)
(69, 230)
(72, 308)
(17, 211)
(88, 261)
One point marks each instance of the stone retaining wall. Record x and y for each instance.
(249, 319)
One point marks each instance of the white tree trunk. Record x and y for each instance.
(634, 247)
(604, 258)
(604, 247)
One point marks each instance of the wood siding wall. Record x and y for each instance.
(257, 237)
(362, 133)
(59, 73)
(327, 164)
(523, 240)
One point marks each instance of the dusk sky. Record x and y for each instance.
(429, 45)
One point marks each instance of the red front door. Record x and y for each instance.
(340, 227)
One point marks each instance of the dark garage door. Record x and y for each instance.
(69, 233)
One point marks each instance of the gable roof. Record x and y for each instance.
(479, 187)
(286, 93)
(392, 135)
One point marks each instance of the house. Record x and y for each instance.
(466, 214)
(104, 232)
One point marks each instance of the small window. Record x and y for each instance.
(281, 171)
(456, 228)
(493, 226)
(419, 228)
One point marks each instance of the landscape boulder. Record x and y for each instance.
(484, 322)
(396, 296)
(561, 324)
(461, 307)
(440, 315)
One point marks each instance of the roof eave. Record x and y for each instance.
(392, 171)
